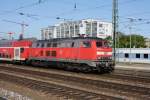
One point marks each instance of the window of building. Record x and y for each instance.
(100, 25)
(81, 25)
(137, 55)
(146, 56)
(47, 53)
(76, 26)
(126, 55)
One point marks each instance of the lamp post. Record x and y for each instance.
(130, 31)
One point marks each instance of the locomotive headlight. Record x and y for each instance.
(100, 53)
(109, 53)
(110, 57)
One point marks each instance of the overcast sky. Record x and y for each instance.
(42, 13)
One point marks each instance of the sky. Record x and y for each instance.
(38, 14)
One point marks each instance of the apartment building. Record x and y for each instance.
(86, 28)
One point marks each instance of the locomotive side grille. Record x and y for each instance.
(105, 59)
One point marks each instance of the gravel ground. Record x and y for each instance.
(26, 92)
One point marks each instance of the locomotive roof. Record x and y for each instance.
(6, 43)
(73, 38)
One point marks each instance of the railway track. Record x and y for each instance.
(52, 88)
(104, 86)
(133, 73)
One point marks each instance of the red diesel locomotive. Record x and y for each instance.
(84, 54)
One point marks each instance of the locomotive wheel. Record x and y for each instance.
(86, 68)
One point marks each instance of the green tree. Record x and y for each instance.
(137, 41)
(109, 38)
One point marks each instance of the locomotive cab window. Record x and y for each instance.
(99, 44)
(86, 44)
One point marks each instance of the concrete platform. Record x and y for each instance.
(142, 67)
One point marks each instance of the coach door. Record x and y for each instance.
(17, 53)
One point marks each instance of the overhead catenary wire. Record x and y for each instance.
(75, 9)
(25, 6)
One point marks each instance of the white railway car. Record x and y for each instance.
(133, 55)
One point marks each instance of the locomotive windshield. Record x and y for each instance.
(103, 44)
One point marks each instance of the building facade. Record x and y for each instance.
(147, 42)
(86, 28)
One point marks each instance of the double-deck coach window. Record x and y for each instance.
(126, 55)
(146, 56)
(137, 55)
(21, 50)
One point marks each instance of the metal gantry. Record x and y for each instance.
(23, 25)
(115, 26)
